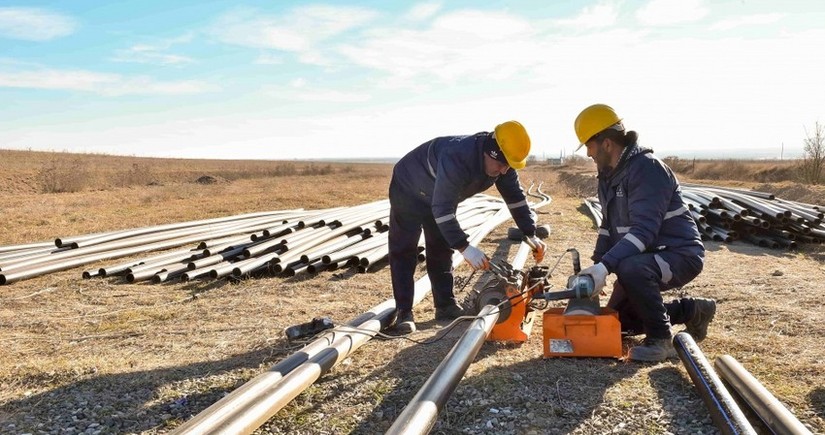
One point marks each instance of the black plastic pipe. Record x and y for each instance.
(724, 411)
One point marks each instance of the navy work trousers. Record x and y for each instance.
(637, 292)
(407, 218)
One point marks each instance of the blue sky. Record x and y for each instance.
(284, 80)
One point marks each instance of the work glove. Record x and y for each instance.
(539, 250)
(599, 273)
(476, 258)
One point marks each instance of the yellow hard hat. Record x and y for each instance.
(514, 142)
(593, 120)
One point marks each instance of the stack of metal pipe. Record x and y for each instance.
(726, 214)
(286, 242)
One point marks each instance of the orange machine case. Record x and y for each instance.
(582, 335)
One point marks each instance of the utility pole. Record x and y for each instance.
(782, 151)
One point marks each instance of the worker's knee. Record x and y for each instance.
(637, 272)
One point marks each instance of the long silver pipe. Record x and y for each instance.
(168, 273)
(769, 409)
(333, 246)
(419, 416)
(215, 258)
(205, 223)
(356, 249)
(27, 254)
(11, 248)
(122, 267)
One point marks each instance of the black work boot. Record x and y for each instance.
(405, 322)
(449, 312)
(653, 350)
(703, 312)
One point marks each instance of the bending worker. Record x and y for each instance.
(427, 185)
(647, 237)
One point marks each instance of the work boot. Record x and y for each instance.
(405, 323)
(703, 312)
(653, 350)
(449, 312)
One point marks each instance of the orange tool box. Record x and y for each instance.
(583, 335)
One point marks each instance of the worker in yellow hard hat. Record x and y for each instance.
(427, 185)
(647, 236)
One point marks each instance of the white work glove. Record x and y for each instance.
(476, 258)
(541, 248)
(599, 273)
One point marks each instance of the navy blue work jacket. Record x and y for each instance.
(447, 170)
(643, 211)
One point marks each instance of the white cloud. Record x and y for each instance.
(155, 53)
(750, 20)
(99, 83)
(268, 59)
(591, 17)
(34, 24)
(669, 12)
(149, 55)
(457, 46)
(422, 11)
(300, 89)
(299, 30)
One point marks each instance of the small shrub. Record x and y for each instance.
(576, 161)
(61, 175)
(137, 175)
(317, 170)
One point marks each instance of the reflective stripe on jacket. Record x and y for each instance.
(447, 170)
(643, 211)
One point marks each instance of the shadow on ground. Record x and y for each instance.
(117, 403)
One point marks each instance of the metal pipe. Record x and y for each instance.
(358, 248)
(10, 248)
(724, 412)
(106, 237)
(214, 245)
(333, 246)
(769, 409)
(184, 257)
(24, 254)
(215, 258)
(419, 416)
(756, 193)
(122, 267)
(169, 273)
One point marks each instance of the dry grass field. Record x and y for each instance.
(104, 356)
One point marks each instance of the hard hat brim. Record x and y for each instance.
(517, 165)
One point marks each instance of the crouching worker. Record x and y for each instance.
(427, 186)
(647, 237)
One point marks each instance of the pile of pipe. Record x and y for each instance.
(726, 214)
(284, 242)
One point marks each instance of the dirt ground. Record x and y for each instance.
(103, 356)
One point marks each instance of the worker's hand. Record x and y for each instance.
(476, 258)
(539, 250)
(599, 273)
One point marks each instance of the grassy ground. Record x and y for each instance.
(102, 355)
